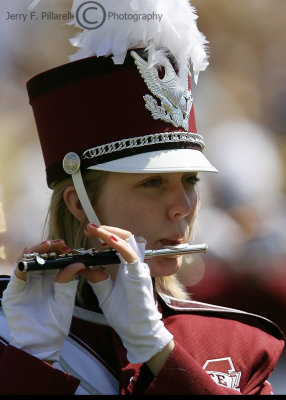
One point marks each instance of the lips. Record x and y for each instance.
(171, 242)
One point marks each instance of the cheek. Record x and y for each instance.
(193, 196)
(111, 208)
(139, 224)
(122, 213)
(194, 202)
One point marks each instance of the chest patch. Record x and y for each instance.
(223, 372)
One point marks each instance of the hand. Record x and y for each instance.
(109, 236)
(39, 305)
(128, 303)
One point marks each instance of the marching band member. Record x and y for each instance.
(118, 135)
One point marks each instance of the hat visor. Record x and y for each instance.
(175, 160)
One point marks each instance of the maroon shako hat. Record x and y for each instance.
(127, 106)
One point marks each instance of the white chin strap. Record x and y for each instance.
(71, 165)
(83, 198)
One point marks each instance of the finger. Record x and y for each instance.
(123, 248)
(123, 233)
(94, 276)
(58, 246)
(67, 274)
(43, 247)
(93, 229)
(115, 241)
(38, 248)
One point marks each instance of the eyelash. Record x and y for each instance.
(157, 181)
(152, 182)
(194, 179)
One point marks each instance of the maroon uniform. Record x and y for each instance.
(217, 351)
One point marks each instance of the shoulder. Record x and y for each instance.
(172, 306)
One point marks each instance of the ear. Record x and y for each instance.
(73, 204)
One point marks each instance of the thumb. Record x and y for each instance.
(67, 274)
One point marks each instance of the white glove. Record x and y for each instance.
(39, 313)
(130, 309)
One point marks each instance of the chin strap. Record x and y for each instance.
(83, 198)
(71, 165)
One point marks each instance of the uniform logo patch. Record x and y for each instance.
(223, 372)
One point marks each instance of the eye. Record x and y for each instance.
(191, 179)
(152, 182)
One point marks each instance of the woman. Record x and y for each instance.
(130, 328)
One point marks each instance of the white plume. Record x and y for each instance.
(172, 27)
(168, 25)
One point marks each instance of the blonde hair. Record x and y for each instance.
(60, 223)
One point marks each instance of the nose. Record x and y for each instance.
(181, 203)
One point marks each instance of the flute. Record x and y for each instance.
(95, 259)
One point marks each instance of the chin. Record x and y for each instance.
(164, 266)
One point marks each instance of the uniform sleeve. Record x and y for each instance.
(201, 340)
(266, 388)
(181, 374)
(22, 374)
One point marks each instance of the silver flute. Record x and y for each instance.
(95, 259)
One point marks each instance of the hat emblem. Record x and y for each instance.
(176, 102)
